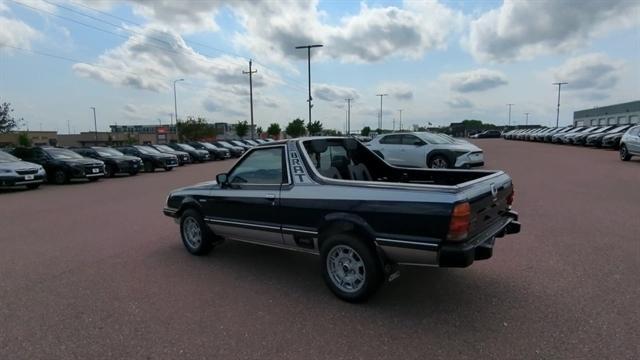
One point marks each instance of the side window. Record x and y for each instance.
(391, 140)
(411, 140)
(261, 167)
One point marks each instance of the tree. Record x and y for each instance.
(259, 130)
(23, 140)
(195, 129)
(315, 128)
(365, 131)
(332, 132)
(7, 121)
(242, 128)
(274, 130)
(296, 128)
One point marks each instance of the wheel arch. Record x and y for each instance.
(337, 223)
(449, 155)
(189, 203)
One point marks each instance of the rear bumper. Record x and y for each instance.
(480, 247)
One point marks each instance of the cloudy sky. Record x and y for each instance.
(439, 61)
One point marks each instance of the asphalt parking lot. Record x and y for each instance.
(95, 271)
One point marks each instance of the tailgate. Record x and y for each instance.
(488, 201)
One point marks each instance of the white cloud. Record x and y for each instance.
(273, 29)
(328, 92)
(524, 29)
(459, 103)
(475, 80)
(590, 75)
(16, 33)
(145, 113)
(397, 90)
(184, 17)
(144, 63)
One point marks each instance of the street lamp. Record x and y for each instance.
(510, 105)
(380, 120)
(308, 47)
(175, 105)
(95, 123)
(558, 110)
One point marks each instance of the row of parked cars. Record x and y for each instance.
(626, 138)
(31, 166)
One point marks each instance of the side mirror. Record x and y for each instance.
(222, 179)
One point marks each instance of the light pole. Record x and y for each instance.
(400, 118)
(308, 47)
(95, 124)
(380, 120)
(558, 109)
(510, 105)
(348, 116)
(526, 121)
(175, 106)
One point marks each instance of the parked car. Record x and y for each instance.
(62, 165)
(630, 143)
(195, 154)
(569, 138)
(241, 144)
(612, 140)
(260, 141)
(323, 196)
(581, 138)
(215, 153)
(151, 158)
(487, 134)
(251, 143)
(549, 137)
(557, 138)
(235, 151)
(596, 139)
(425, 149)
(114, 161)
(183, 156)
(15, 172)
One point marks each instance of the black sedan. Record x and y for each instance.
(597, 139)
(62, 165)
(151, 158)
(115, 162)
(183, 156)
(214, 151)
(196, 154)
(235, 151)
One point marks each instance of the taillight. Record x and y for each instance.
(510, 197)
(460, 220)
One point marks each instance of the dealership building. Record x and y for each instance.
(619, 114)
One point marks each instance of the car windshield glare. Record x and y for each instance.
(435, 138)
(107, 152)
(208, 146)
(4, 157)
(63, 154)
(147, 150)
(164, 148)
(187, 147)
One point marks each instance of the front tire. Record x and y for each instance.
(60, 177)
(196, 235)
(148, 167)
(624, 153)
(168, 168)
(109, 171)
(350, 267)
(438, 162)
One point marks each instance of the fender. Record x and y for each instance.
(188, 202)
(344, 222)
(450, 155)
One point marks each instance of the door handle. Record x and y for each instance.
(270, 197)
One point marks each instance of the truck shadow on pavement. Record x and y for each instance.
(477, 295)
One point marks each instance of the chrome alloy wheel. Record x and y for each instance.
(346, 268)
(439, 163)
(191, 232)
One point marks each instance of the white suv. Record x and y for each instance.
(425, 149)
(630, 143)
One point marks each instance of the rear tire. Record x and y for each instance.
(624, 153)
(197, 238)
(350, 267)
(438, 162)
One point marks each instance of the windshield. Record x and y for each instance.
(4, 157)
(187, 147)
(615, 130)
(600, 130)
(164, 148)
(239, 143)
(224, 143)
(436, 138)
(107, 152)
(63, 154)
(147, 150)
(251, 142)
(208, 146)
